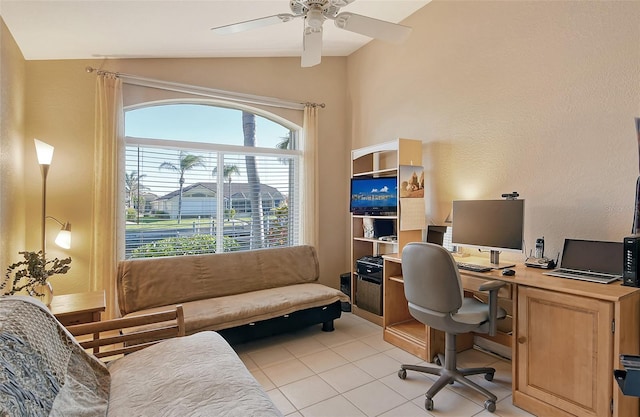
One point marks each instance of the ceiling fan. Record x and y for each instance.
(315, 12)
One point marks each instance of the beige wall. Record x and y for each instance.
(60, 111)
(534, 97)
(12, 122)
(537, 97)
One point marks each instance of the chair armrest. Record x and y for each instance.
(129, 334)
(493, 287)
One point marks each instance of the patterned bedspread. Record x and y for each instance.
(197, 375)
(45, 372)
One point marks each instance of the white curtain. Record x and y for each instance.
(107, 207)
(309, 183)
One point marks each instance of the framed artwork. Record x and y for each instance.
(411, 181)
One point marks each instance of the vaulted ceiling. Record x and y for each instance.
(88, 29)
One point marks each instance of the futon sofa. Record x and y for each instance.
(45, 372)
(242, 295)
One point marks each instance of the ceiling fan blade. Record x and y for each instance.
(374, 28)
(312, 46)
(253, 24)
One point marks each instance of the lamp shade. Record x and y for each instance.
(44, 152)
(64, 236)
(449, 219)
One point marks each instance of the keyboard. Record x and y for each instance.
(473, 267)
(583, 275)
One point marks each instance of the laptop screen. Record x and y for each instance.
(592, 255)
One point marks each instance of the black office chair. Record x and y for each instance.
(434, 292)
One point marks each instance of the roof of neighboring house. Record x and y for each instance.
(236, 188)
(149, 196)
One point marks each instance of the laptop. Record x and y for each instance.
(590, 260)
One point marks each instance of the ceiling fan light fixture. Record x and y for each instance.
(315, 18)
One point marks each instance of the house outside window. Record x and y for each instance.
(195, 184)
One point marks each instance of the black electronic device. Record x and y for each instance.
(630, 273)
(538, 260)
(590, 260)
(374, 196)
(493, 225)
(370, 267)
(473, 267)
(435, 234)
(345, 287)
(543, 263)
(382, 228)
(539, 247)
(508, 272)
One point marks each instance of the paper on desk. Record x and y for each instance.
(412, 214)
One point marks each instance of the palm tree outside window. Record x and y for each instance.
(227, 172)
(186, 162)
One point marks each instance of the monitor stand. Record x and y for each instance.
(493, 262)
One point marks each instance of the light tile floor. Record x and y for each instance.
(352, 372)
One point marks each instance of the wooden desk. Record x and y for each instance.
(79, 308)
(566, 340)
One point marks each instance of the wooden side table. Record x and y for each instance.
(86, 307)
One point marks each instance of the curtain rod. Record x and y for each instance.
(205, 91)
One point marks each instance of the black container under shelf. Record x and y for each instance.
(629, 379)
(345, 287)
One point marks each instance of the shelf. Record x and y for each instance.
(397, 279)
(410, 336)
(373, 318)
(385, 242)
(391, 146)
(377, 173)
(411, 329)
(366, 216)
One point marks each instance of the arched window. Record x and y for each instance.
(201, 178)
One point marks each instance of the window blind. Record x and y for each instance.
(188, 198)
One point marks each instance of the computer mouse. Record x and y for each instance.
(508, 272)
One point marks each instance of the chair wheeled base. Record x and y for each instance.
(450, 374)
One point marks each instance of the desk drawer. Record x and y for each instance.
(470, 283)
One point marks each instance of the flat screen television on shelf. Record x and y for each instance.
(374, 196)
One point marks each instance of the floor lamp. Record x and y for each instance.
(45, 156)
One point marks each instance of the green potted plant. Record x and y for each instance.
(32, 275)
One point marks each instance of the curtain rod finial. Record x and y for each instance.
(89, 69)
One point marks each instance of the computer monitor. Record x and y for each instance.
(493, 225)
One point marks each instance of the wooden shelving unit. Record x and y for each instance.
(380, 160)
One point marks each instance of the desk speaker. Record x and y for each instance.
(630, 275)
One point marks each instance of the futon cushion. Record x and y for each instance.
(156, 282)
(239, 309)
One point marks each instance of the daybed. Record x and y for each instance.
(45, 372)
(241, 295)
